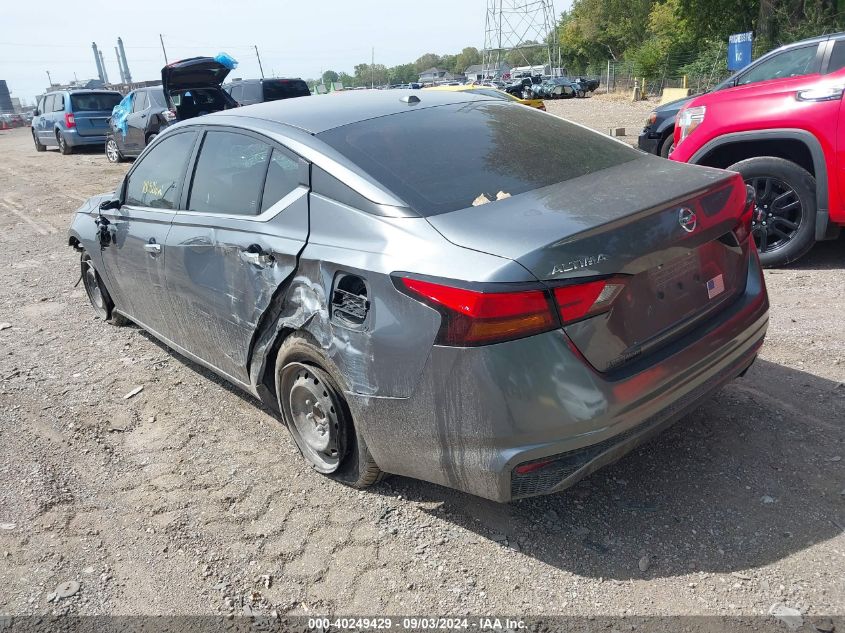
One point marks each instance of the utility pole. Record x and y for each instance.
(161, 39)
(373, 69)
(259, 61)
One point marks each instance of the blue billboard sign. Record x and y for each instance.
(739, 50)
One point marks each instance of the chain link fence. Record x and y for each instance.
(701, 71)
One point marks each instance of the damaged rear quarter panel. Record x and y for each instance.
(385, 356)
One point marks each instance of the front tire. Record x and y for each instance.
(64, 148)
(667, 147)
(318, 417)
(113, 151)
(97, 293)
(784, 226)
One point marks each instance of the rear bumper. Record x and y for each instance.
(481, 412)
(75, 139)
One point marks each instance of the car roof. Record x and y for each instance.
(336, 109)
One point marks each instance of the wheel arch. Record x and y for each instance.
(797, 146)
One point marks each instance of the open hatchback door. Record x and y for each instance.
(192, 86)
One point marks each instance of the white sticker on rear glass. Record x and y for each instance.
(715, 286)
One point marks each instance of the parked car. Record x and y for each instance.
(145, 116)
(424, 283)
(193, 87)
(72, 118)
(557, 88)
(493, 93)
(658, 133)
(776, 123)
(252, 91)
(584, 86)
(13, 120)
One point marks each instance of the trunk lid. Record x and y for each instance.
(91, 111)
(663, 228)
(206, 73)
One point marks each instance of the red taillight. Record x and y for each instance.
(478, 318)
(743, 227)
(579, 301)
(69, 120)
(169, 115)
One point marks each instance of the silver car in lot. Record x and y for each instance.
(442, 285)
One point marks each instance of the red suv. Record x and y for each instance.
(777, 124)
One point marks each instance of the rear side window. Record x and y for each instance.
(837, 57)
(139, 103)
(275, 90)
(156, 181)
(58, 103)
(445, 158)
(94, 102)
(791, 63)
(282, 178)
(157, 98)
(229, 176)
(250, 93)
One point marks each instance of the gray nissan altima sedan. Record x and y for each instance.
(439, 285)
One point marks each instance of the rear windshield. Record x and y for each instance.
(444, 158)
(275, 90)
(157, 98)
(94, 102)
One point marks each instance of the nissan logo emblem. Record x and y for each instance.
(687, 219)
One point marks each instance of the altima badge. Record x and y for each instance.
(687, 219)
(586, 261)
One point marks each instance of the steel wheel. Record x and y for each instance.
(778, 213)
(314, 416)
(93, 288)
(112, 152)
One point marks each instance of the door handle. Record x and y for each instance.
(152, 248)
(256, 256)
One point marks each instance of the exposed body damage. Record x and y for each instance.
(373, 320)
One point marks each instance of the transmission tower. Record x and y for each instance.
(519, 25)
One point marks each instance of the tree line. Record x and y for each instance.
(658, 37)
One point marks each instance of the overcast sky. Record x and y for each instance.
(295, 38)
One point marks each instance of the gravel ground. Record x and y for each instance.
(189, 498)
(602, 112)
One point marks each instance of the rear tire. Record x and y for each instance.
(318, 417)
(39, 146)
(64, 148)
(113, 151)
(784, 226)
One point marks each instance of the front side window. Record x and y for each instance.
(229, 175)
(791, 63)
(155, 181)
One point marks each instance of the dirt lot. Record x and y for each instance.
(188, 498)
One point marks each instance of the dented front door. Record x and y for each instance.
(223, 269)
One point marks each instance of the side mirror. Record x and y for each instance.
(106, 205)
(36, 113)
